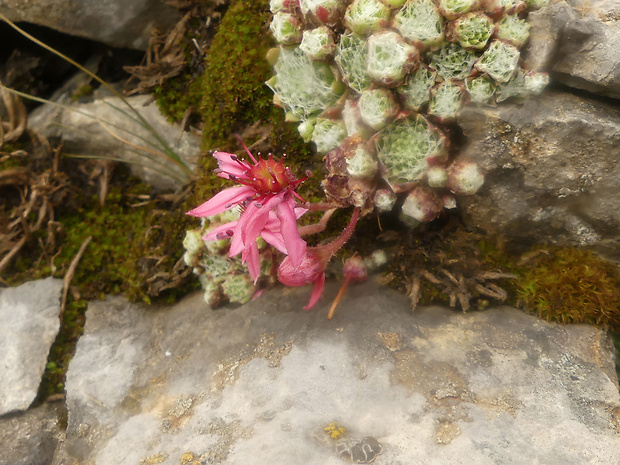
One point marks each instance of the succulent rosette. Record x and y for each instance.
(391, 74)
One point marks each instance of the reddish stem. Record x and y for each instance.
(328, 250)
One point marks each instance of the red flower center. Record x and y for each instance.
(271, 176)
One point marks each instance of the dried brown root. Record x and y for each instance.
(71, 272)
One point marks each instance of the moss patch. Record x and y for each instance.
(571, 285)
(175, 96)
(234, 93)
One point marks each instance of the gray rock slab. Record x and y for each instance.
(578, 41)
(115, 22)
(259, 384)
(107, 126)
(29, 323)
(31, 437)
(552, 166)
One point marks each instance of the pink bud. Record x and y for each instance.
(354, 269)
(310, 269)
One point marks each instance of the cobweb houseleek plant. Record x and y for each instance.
(155, 154)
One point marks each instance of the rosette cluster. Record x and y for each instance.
(373, 83)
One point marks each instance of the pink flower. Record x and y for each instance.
(312, 267)
(266, 197)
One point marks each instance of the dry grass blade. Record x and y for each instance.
(70, 272)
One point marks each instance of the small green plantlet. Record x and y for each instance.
(404, 148)
(499, 61)
(420, 22)
(351, 57)
(446, 100)
(416, 92)
(366, 16)
(453, 61)
(304, 87)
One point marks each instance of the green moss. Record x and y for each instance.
(175, 96)
(571, 285)
(114, 261)
(234, 93)
(61, 352)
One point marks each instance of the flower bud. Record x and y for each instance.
(307, 272)
(354, 269)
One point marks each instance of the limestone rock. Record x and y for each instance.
(579, 42)
(552, 166)
(29, 324)
(115, 22)
(96, 128)
(31, 437)
(269, 383)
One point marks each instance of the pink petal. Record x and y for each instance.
(212, 235)
(275, 239)
(252, 259)
(222, 201)
(255, 225)
(295, 245)
(228, 165)
(257, 217)
(300, 211)
(316, 292)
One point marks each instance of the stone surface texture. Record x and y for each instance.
(85, 130)
(552, 167)
(29, 323)
(259, 384)
(578, 42)
(31, 437)
(115, 22)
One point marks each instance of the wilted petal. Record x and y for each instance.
(317, 290)
(222, 201)
(295, 245)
